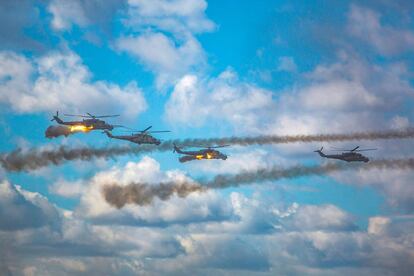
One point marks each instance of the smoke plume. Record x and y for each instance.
(19, 160)
(27, 160)
(56, 131)
(143, 194)
(286, 139)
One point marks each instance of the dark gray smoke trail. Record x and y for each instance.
(19, 160)
(56, 131)
(286, 139)
(33, 159)
(143, 194)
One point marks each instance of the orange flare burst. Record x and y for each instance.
(80, 128)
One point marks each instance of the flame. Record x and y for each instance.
(80, 128)
(202, 156)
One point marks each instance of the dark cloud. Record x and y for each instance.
(17, 19)
(85, 14)
(17, 212)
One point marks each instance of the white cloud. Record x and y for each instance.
(400, 122)
(67, 189)
(163, 37)
(179, 17)
(162, 56)
(324, 217)
(194, 101)
(377, 225)
(395, 185)
(59, 81)
(287, 64)
(264, 237)
(366, 25)
(66, 14)
(198, 207)
(337, 95)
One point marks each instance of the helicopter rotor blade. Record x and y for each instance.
(145, 130)
(106, 116)
(339, 149)
(220, 146)
(129, 129)
(207, 147)
(75, 115)
(159, 131)
(365, 149)
(89, 115)
(354, 149)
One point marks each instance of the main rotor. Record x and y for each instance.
(90, 116)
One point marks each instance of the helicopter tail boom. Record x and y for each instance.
(57, 119)
(177, 149)
(319, 151)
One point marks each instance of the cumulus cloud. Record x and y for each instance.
(394, 185)
(323, 217)
(341, 93)
(367, 25)
(163, 56)
(67, 189)
(66, 14)
(261, 236)
(180, 17)
(59, 81)
(195, 207)
(194, 101)
(163, 37)
(21, 209)
(38, 237)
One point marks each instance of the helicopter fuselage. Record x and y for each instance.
(200, 154)
(90, 123)
(138, 138)
(346, 156)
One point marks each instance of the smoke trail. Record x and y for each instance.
(33, 159)
(56, 131)
(19, 160)
(143, 194)
(286, 139)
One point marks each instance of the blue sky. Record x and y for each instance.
(207, 69)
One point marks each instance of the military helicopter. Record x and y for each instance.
(91, 122)
(205, 153)
(348, 155)
(139, 137)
